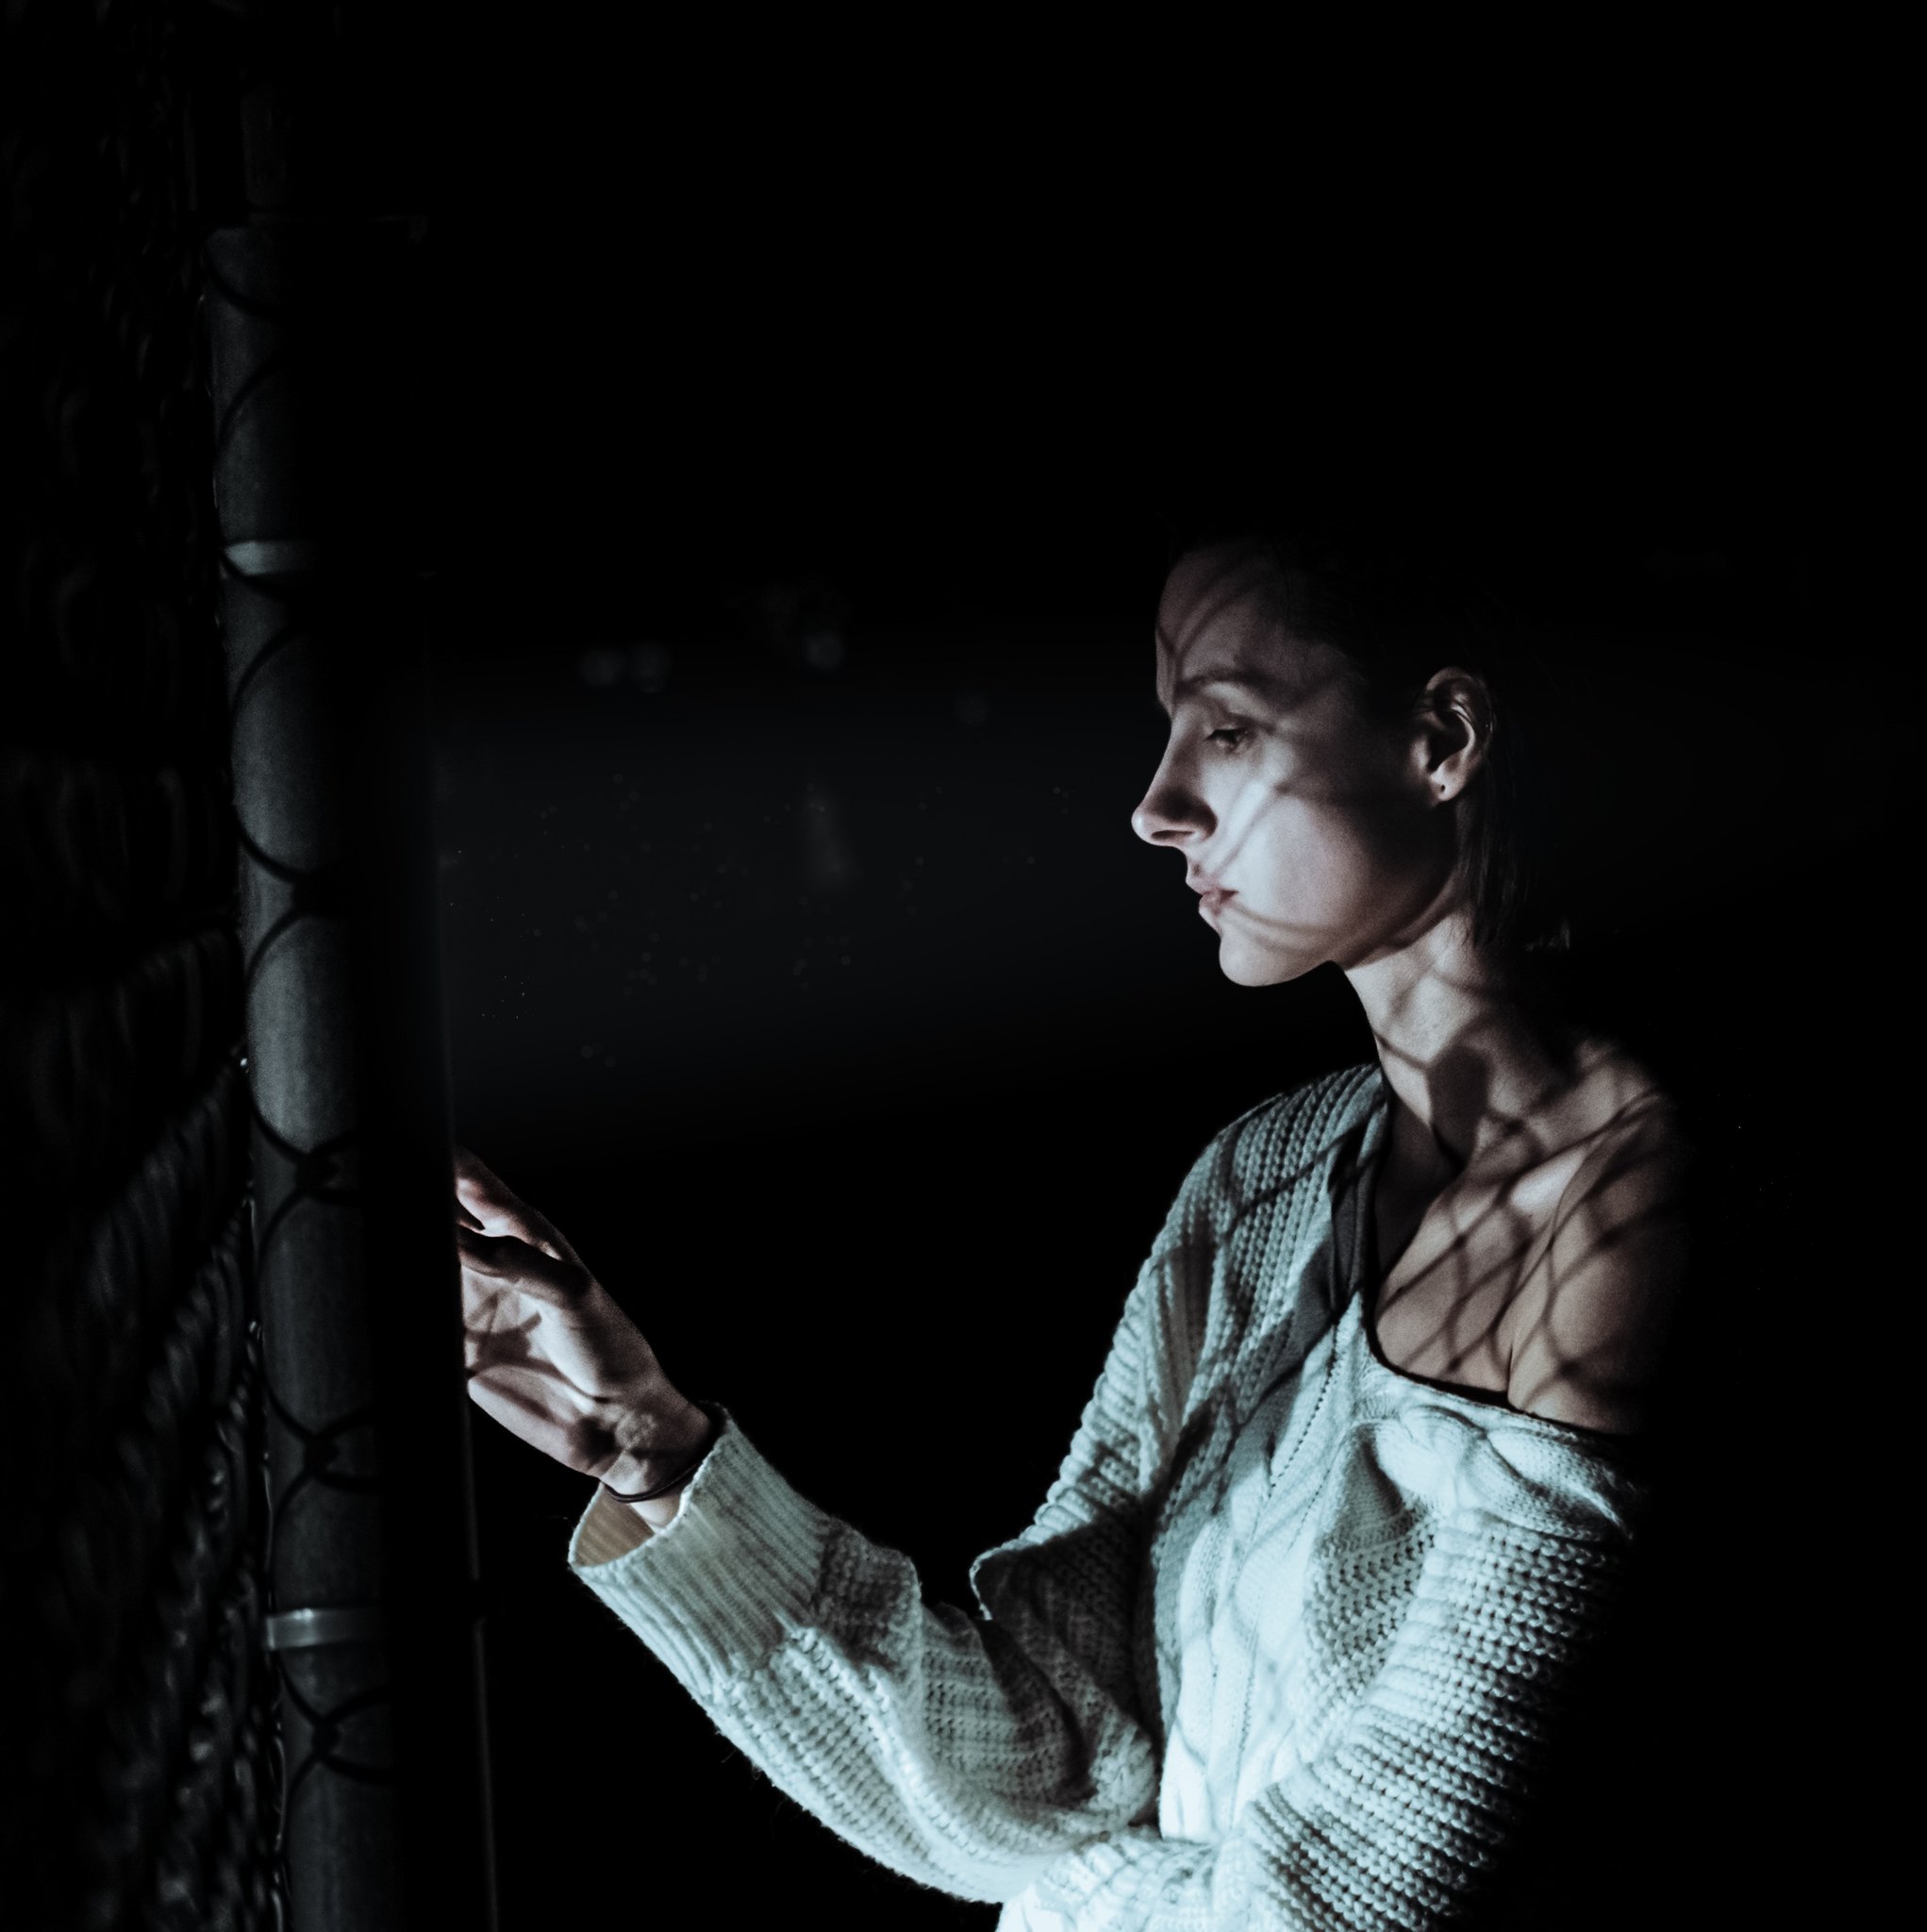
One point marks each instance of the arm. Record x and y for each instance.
(1394, 1822)
(964, 1749)
(967, 1749)
(973, 1750)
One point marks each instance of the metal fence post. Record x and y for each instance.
(373, 1619)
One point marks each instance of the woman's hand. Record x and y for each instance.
(552, 1357)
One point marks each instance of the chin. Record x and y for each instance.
(1244, 964)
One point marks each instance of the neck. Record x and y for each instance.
(1463, 1059)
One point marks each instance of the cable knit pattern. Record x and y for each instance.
(1281, 1649)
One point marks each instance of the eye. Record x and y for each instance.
(1230, 736)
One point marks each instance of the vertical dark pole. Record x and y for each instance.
(314, 311)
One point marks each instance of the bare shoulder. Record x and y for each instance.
(1595, 1313)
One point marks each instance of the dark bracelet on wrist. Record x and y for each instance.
(685, 1472)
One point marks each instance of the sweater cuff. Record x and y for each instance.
(730, 1577)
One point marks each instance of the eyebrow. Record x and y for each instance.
(1246, 683)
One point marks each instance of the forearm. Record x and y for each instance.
(1416, 1799)
(931, 1739)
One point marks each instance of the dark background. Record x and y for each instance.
(807, 466)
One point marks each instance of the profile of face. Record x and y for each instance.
(1312, 830)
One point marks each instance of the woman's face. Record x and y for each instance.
(1310, 829)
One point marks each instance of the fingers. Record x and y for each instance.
(477, 1181)
(492, 1207)
(515, 1263)
(468, 1161)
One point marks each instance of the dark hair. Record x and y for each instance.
(1397, 608)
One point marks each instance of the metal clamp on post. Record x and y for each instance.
(274, 557)
(308, 1629)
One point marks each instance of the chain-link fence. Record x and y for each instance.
(142, 1724)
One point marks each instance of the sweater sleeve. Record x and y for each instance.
(967, 1749)
(1395, 1822)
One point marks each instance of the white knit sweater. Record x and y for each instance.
(1281, 1648)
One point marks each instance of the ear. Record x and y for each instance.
(1454, 731)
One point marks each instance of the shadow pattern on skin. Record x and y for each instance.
(1545, 1260)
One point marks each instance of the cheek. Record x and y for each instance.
(1320, 873)
(1316, 855)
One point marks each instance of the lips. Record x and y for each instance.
(1215, 898)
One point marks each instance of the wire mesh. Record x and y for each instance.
(131, 1583)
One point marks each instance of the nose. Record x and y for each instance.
(1169, 814)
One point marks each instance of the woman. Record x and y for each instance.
(1288, 1638)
